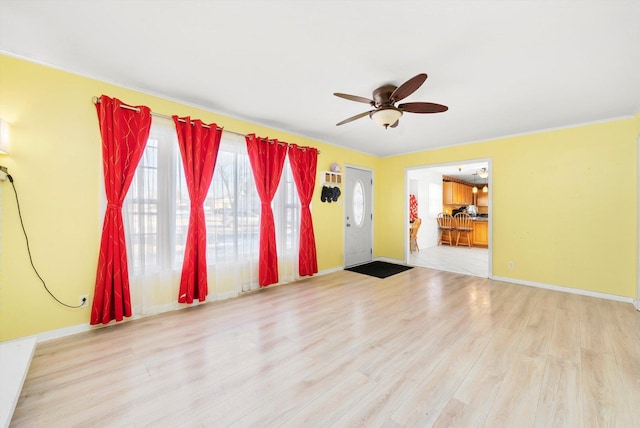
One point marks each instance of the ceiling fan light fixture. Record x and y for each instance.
(386, 116)
(483, 173)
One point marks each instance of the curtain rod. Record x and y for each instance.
(96, 100)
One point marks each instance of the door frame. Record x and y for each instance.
(344, 210)
(636, 301)
(489, 162)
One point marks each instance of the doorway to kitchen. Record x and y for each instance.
(449, 188)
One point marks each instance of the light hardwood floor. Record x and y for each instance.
(421, 348)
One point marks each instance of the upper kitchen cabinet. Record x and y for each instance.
(465, 194)
(456, 194)
(447, 192)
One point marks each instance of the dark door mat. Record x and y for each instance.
(379, 269)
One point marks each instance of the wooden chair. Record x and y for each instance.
(413, 235)
(445, 224)
(464, 227)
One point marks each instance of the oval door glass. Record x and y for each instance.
(358, 203)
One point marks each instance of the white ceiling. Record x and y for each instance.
(503, 68)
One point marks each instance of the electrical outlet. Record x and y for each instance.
(3, 173)
(510, 265)
(83, 300)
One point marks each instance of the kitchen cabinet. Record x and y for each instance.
(480, 234)
(456, 194)
(465, 194)
(447, 192)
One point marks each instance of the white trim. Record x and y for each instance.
(81, 328)
(520, 134)
(489, 162)
(70, 331)
(327, 271)
(565, 289)
(390, 260)
(637, 300)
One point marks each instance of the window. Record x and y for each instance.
(358, 203)
(151, 208)
(156, 216)
(232, 207)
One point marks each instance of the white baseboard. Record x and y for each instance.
(81, 328)
(636, 303)
(389, 260)
(328, 271)
(566, 289)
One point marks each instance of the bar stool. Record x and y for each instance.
(445, 224)
(464, 227)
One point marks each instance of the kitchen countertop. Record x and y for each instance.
(480, 219)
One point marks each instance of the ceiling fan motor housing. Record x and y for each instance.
(382, 95)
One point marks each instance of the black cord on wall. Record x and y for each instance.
(26, 238)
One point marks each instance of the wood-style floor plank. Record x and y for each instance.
(421, 348)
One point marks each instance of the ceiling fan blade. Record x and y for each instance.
(352, 118)
(394, 124)
(423, 107)
(408, 87)
(354, 98)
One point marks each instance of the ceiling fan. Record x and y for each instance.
(385, 113)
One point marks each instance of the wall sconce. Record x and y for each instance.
(4, 137)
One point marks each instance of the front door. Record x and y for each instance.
(358, 209)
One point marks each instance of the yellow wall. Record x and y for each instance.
(55, 160)
(581, 178)
(564, 205)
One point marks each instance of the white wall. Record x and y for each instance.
(427, 186)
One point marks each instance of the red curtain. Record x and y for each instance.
(124, 135)
(199, 146)
(303, 165)
(267, 161)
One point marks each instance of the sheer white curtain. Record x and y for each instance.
(156, 216)
(232, 209)
(286, 211)
(150, 216)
